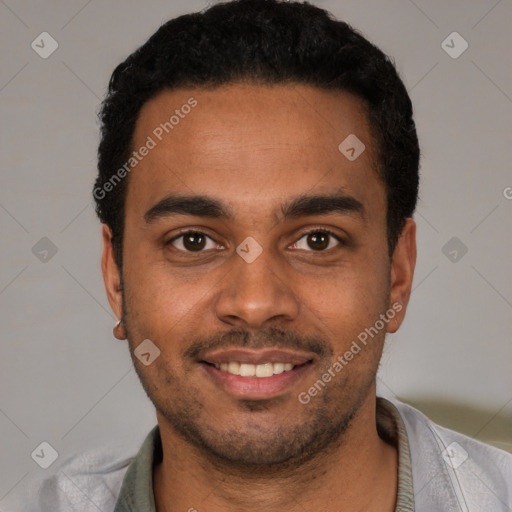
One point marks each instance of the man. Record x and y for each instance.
(258, 173)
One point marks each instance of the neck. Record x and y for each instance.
(358, 473)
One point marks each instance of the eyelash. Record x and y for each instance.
(317, 230)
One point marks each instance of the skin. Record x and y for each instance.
(254, 148)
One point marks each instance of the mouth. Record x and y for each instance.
(256, 375)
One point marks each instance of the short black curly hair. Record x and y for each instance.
(262, 42)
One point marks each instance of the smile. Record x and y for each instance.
(256, 374)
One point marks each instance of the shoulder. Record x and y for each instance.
(454, 469)
(84, 481)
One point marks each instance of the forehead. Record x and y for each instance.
(248, 144)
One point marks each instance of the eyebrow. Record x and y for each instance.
(302, 206)
(305, 205)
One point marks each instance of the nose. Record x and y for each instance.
(258, 293)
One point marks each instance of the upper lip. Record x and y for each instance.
(256, 356)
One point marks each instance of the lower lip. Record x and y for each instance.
(256, 387)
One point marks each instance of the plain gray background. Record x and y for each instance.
(66, 380)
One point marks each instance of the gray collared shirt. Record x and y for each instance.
(439, 470)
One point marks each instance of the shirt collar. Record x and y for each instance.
(137, 489)
(391, 428)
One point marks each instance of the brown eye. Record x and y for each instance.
(193, 241)
(318, 241)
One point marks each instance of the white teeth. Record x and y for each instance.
(247, 370)
(254, 370)
(278, 368)
(234, 368)
(265, 370)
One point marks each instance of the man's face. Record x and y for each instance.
(265, 283)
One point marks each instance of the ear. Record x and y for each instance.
(402, 273)
(111, 276)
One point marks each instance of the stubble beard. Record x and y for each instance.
(259, 449)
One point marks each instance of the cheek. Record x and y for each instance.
(345, 313)
(158, 303)
(352, 294)
(346, 310)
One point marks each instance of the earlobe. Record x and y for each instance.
(402, 273)
(110, 271)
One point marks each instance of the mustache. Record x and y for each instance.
(269, 338)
